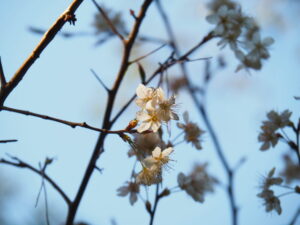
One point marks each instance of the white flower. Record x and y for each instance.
(149, 176)
(191, 130)
(165, 109)
(144, 94)
(225, 19)
(259, 48)
(158, 157)
(130, 188)
(155, 108)
(150, 121)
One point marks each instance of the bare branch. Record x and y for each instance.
(65, 122)
(202, 111)
(106, 124)
(150, 53)
(108, 21)
(21, 164)
(100, 81)
(66, 16)
(7, 141)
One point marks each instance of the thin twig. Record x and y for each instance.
(21, 164)
(65, 122)
(295, 217)
(202, 112)
(7, 141)
(167, 64)
(66, 16)
(157, 197)
(100, 81)
(108, 21)
(106, 124)
(150, 53)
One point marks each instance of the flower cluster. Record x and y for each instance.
(152, 166)
(271, 201)
(155, 109)
(197, 183)
(192, 131)
(269, 135)
(240, 32)
(143, 145)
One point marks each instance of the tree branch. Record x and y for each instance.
(106, 124)
(66, 16)
(65, 122)
(203, 113)
(7, 141)
(21, 164)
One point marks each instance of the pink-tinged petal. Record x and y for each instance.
(143, 116)
(160, 93)
(123, 191)
(155, 126)
(132, 198)
(156, 152)
(140, 102)
(144, 127)
(141, 91)
(149, 161)
(267, 41)
(167, 151)
(186, 117)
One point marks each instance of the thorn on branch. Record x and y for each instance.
(142, 73)
(100, 81)
(132, 13)
(71, 18)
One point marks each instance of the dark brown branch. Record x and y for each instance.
(7, 141)
(21, 164)
(108, 21)
(66, 16)
(106, 124)
(203, 113)
(65, 122)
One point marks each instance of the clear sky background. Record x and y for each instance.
(60, 84)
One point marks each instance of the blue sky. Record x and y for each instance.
(60, 84)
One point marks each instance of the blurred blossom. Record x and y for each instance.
(144, 144)
(240, 32)
(130, 188)
(291, 170)
(101, 25)
(271, 202)
(197, 183)
(191, 130)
